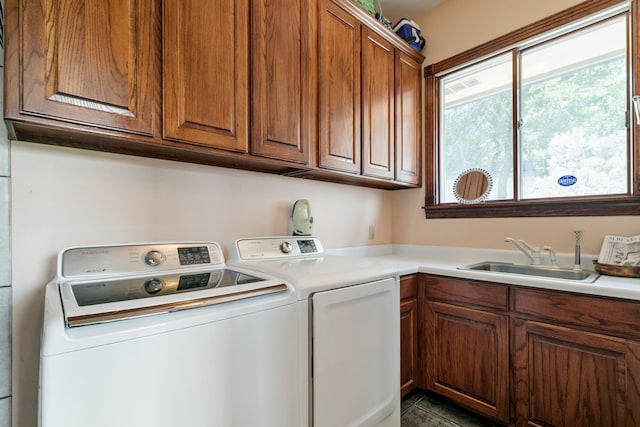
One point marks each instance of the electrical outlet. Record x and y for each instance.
(372, 232)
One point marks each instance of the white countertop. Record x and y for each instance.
(444, 261)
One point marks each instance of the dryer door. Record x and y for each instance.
(356, 356)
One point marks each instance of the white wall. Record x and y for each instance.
(66, 197)
(451, 28)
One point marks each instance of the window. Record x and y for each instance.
(547, 117)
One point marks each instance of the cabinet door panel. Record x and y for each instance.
(567, 377)
(378, 131)
(205, 65)
(90, 62)
(340, 145)
(468, 359)
(283, 92)
(408, 120)
(408, 347)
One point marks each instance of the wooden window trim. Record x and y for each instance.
(586, 206)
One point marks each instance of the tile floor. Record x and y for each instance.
(425, 410)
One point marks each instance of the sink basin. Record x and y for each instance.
(534, 270)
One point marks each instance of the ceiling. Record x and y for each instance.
(394, 10)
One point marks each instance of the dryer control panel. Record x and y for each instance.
(276, 247)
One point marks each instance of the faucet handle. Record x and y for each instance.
(535, 252)
(528, 246)
(552, 256)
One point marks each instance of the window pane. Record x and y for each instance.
(476, 126)
(574, 105)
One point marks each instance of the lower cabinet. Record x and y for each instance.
(576, 360)
(470, 358)
(467, 351)
(569, 377)
(408, 333)
(530, 357)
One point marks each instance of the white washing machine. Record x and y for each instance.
(165, 335)
(349, 319)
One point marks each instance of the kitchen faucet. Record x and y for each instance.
(532, 252)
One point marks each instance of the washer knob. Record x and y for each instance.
(154, 258)
(153, 286)
(286, 247)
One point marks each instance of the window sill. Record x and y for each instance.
(584, 207)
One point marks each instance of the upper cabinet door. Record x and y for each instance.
(88, 62)
(408, 119)
(284, 70)
(205, 72)
(378, 132)
(339, 90)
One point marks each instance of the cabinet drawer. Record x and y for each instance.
(619, 317)
(409, 286)
(467, 292)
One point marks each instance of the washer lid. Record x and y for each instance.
(99, 301)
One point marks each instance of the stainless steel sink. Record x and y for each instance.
(534, 270)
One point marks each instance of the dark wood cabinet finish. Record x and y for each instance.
(408, 119)
(249, 84)
(378, 102)
(339, 76)
(530, 357)
(467, 348)
(601, 314)
(576, 359)
(467, 292)
(470, 358)
(408, 333)
(569, 377)
(89, 63)
(206, 77)
(284, 77)
(370, 102)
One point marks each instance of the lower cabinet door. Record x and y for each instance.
(468, 360)
(568, 377)
(408, 345)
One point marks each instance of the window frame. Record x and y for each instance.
(609, 205)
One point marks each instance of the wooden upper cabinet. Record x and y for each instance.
(378, 92)
(85, 62)
(408, 119)
(314, 88)
(205, 72)
(339, 83)
(369, 98)
(284, 70)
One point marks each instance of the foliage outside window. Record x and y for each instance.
(546, 116)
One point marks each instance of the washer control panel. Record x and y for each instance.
(276, 247)
(137, 258)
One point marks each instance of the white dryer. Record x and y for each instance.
(349, 320)
(164, 335)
